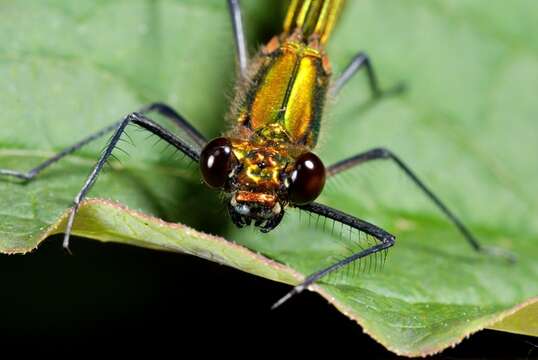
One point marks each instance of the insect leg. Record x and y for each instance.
(31, 174)
(383, 154)
(362, 61)
(239, 35)
(145, 123)
(385, 239)
(169, 112)
(163, 109)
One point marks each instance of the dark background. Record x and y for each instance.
(110, 298)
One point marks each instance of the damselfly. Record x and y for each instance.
(265, 164)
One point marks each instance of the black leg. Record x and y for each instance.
(168, 112)
(382, 153)
(362, 61)
(142, 121)
(239, 34)
(386, 240)
(163, 109)
(27, 176)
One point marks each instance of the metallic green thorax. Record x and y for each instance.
(288, 88)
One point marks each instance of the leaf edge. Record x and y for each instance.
(58, 226)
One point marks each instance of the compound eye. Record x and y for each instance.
(216, 162)
(306, 180)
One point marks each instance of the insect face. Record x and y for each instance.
(257, 187)
(261, 178)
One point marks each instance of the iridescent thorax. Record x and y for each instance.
(288, 88)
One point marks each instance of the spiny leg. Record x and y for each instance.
(382, 154)
(362, 61)
(239, 35)
(31, 174)
(386, 240)
(161, 108)
(171, 114)
(142, 121)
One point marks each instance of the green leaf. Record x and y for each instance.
(523, 321)
(467, 126)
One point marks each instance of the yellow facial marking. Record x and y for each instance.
(262, 163)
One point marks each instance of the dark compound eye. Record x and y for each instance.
(306, 180)
(216, 162)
